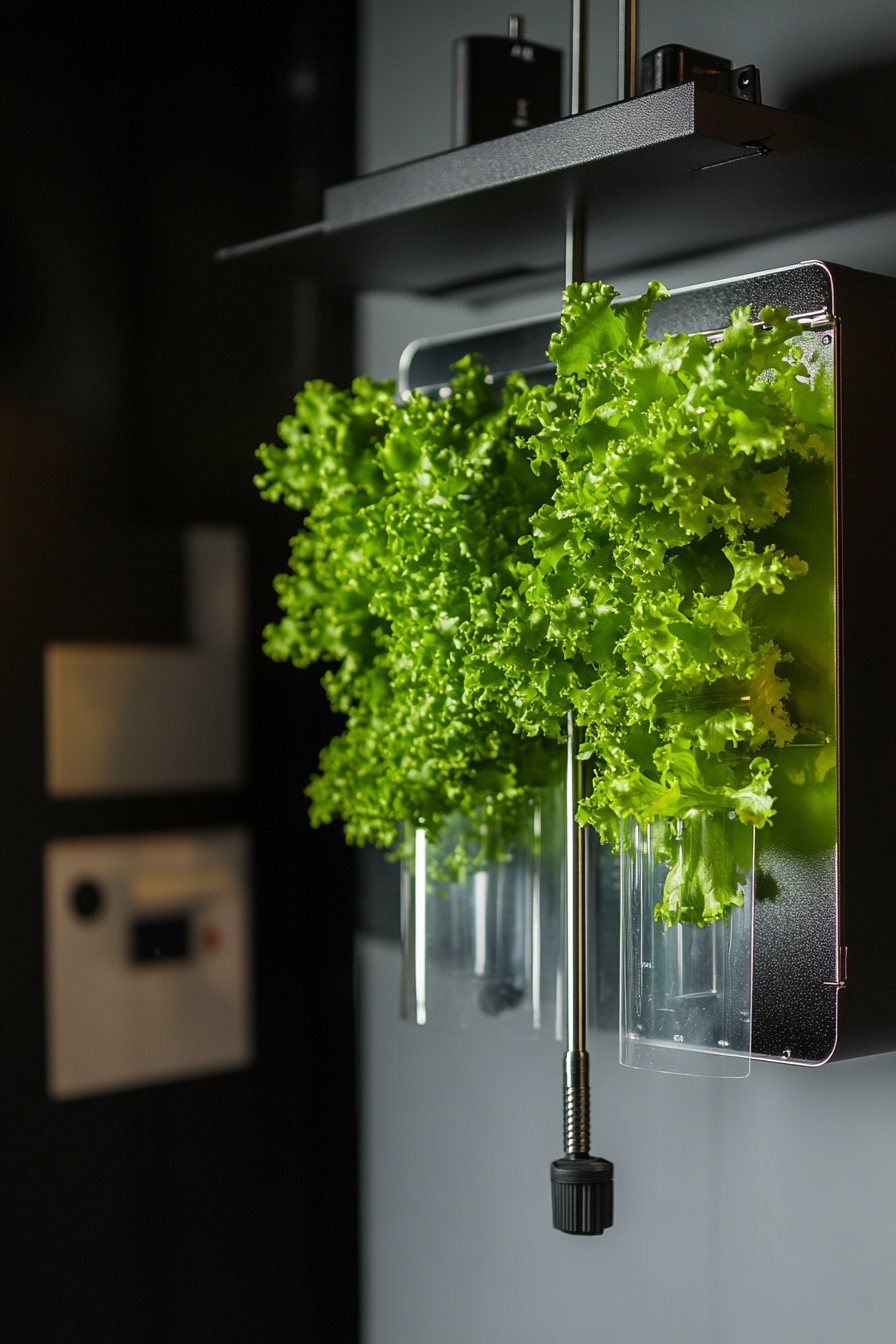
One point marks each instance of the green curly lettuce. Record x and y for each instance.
(412, 512)
(614, 544)
(650, 561)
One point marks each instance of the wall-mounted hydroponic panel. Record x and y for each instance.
(800, 972)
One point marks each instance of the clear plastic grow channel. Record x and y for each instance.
(686, 992)
(482, 939)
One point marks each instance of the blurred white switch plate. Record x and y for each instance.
(139, 719)
(147, 959)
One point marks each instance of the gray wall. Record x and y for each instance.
(757, 1210)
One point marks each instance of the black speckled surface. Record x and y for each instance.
(801, 289)
(795, 957)
(673, 173)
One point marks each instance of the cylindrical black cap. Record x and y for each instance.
(582, 1195)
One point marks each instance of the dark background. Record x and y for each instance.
(136, 379)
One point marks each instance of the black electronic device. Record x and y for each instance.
(675, 64)
(503, 85)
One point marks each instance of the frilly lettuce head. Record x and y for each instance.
(475, 567)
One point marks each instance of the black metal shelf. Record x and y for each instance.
(670, 174)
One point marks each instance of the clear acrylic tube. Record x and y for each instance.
(686, 989)
(483, 949)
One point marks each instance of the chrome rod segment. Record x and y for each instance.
(628, 49)
(575, 897)
(578, 58)
(576, 1101)
(578, 101)
(575, 240)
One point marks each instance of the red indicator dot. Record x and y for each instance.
(212, 938)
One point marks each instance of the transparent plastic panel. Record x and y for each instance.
(796, 963)
(484, 951)
(686, 991)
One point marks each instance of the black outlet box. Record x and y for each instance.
(503, 85)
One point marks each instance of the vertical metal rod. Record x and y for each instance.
(581, 1186)
(575, 1066)
(420, 925)
(578, 101)
(575, 1019)
(578, 58)
(577, 1121)
(575, 240)
(628, 49)
(536, 922)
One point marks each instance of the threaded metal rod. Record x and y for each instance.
(576, 1104)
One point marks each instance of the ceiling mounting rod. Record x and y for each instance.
(578, 58)
(628, 49)
(578, 101)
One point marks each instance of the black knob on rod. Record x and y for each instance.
(582, 1195)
